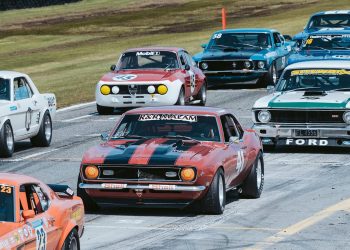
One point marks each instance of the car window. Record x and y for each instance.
(238, 126)
(21, 89)
(228, 126)
(182, 59)
(190, 60)
(276, 38)
(33, 198)
(5, 89)
(7, 209)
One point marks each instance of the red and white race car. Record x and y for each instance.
(151, 77)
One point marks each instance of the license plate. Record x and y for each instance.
(162, 187)
(114, 185)
(306, 132)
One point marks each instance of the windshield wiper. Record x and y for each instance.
(224, 47)
(306, 89)
(130, 137)
(249, 45)
(180, 137)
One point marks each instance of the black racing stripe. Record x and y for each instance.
(168, 152)
(121, 155)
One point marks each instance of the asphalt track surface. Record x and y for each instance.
(305, 203)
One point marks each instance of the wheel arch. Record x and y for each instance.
(70, 226)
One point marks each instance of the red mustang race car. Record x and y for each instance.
(173, 156)
(34, 215)
(151, 77)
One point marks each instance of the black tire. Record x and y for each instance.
(7, 143)
(181, 99)
(211, 203)
(202, 95)
(72, 241)
(254, 183)
(102, 110)
(44, 136)
(89, 204)
(270, 78)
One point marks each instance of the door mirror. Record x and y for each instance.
(113, 67)
(187, 67)
(270, 89)
(204, 45)
(278, 44)
(234, 139)
(104, 136)
(28, 214)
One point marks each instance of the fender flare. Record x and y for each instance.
(70, 226)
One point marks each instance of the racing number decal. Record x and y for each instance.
(192, 81)
(28, 120)
(41, 238)
(6, 189)
(240, 161)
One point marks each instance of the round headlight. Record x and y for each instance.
(188, 174)
(346, 117)
(264, 116)
(115, 90)
(91, 172)
(234, 64)
(105, 90)
(247, 64)
(151, 89)
(204, 65)
(162, 89)
(261, 64)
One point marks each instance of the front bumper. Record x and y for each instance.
(233, 76)
(327, 135)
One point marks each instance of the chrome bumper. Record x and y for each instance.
(236, 71)
(117, 186)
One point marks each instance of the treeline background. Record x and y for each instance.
(22, 4)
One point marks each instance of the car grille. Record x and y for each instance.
(225, 65)
(135, 89)
(306, 116)
(135, 173)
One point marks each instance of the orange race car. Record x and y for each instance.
(34, 215)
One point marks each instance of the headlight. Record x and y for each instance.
(346, 117)
(234, 64)
(162, 89)
(261, 64)
(264, 116)
(188, 174)
(115, 90)
(151, 89)
(105, 90)
(247, 64)
(91, 172)
(204, 66)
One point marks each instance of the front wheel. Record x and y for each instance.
(89, 204)
(202, 95)
(102, 110)
(72, 241)
(270, 78)
(7, 144)
(44, 136)
(254, 183)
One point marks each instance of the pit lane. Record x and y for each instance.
(304, 204)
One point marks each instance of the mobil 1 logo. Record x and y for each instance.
(306, 142)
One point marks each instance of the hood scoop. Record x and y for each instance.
(314, 93)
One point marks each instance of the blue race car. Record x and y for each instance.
(324, 45)
(244, 55)
(324, 20)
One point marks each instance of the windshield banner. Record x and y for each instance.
(319, 72)
(168, 117)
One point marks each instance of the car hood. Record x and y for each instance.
(301, 99)
(222, 55)
(155, 151)
(311, 55)
(138, 75)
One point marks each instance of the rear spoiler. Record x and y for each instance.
(62, 189)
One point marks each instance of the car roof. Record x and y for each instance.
(330, 31)
(331, 12)
(247, 30)
(155, 48)
(10, 74)
(180, 110)
(324, 64)
(16, 179)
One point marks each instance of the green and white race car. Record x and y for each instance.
(310, 106)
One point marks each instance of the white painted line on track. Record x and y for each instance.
(82, 105)
(32, 155)
(76, 118)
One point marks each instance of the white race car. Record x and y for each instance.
(24, 112)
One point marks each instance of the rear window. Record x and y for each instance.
(7, 213)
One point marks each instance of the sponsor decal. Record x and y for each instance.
(113, 185)
(168, 117)
(147, 53)
(307, 142)
(51, 101)
(77, 214)
(192, 80)
(162, 187)
(40, 234)
(28, 120)
(127, 77)
(13, 108)
(6, 189)
(320, 72)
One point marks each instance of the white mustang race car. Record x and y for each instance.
(24, 112)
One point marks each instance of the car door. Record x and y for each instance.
(45, 230)
(189, 75)
(197, 80)
(34, 105)
(281, 50)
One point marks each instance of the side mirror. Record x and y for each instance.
(104, 136)
(234, 139)
(204, 45)
(28, 214)
(187, 67)
(113, 67)
(287, 37)
(278, 44)
(270, 89)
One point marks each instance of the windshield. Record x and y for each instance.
(148, 60)
(240, 41)
(330, 21)
(7, 212)
(317, 79)
(4, 89)
(328, 42)
(201, 128)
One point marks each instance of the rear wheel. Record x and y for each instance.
(202, 95)
(181, 98)
(44, 136)
(7, 143)
(102, 110)
(254, 183)
(72, 241)
(89, 204)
